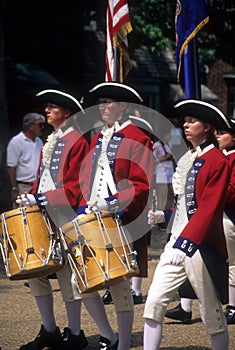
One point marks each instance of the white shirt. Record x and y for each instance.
(23, 154)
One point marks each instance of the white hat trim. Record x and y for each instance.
(62, 94)
(119, 85)
(207, 105)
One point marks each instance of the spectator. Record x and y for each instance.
(23, 152)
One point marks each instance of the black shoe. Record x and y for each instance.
(179, 314)
(230, 314)
(107, 297)
(73, 342)
(137, 298)
(104, 344)
(43, 340)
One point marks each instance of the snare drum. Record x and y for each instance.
(29, 246)
(98, 251)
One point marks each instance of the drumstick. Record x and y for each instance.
(93, 205)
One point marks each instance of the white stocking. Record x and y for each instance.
(220, 341)
(231, 295)
(186, 304)
(152, 334)
(45, 306)
(74, 316)
(125, 322)
(136, 285)
(95, 307)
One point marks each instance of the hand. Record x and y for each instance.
(95, 208)
(26, 200)
(155, 217)
(177, 257)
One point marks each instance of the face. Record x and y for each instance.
(110, 110)
(56, 115)
(37, 127)
(195, 130)
(225, 139)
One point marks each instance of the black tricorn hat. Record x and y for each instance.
(60, 98)
(117, 91)
(230, 129)
(203, 111)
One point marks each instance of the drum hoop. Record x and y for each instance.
(103, 215)
(19, 213)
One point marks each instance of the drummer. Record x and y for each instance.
(57, 189)
(118, 175)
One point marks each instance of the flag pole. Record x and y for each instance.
(115, 63)
(192, 81)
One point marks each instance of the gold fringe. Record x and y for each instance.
(190, 37)
(125, 29)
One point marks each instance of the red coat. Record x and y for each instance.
(230, 196)
(131, 163)
(65, 170)
(206, 224)
(204, 230)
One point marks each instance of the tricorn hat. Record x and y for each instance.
(60, 98)
(117, 91)
(230, 129)
(203, 111)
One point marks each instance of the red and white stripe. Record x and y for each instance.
(118, 26)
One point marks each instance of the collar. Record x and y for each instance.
(204, 147)
(108, 132)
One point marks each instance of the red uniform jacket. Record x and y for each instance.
(204, 230)
(66, 160)
(230, 196)
(131, 163)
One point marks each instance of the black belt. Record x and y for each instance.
(25, 183)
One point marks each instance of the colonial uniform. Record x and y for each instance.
(121, 164)
(198, 231)
(57, 187)
(229, 217)
(200, 183)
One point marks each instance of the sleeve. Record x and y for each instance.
(13, 153)
(210, 204)
(134, 186)
(230, 195)
(70, 192)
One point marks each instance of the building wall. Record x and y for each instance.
(217, 83)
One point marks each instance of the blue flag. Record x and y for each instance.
(191, 16)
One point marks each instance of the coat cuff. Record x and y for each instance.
(81, 210)
(187, 246)
(41, 199)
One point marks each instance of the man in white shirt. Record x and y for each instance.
(23, 152)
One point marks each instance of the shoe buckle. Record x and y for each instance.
(104, 346)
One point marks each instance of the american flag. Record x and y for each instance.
(118, 26)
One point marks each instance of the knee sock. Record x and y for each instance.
(136, 285)
(220, 341)
(186, 304)
(95, 307)
(73, 310)
(152, 334)
(45, 306)
(231, 295)
(125, 322)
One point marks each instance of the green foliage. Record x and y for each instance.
(153, 23)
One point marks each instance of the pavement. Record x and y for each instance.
(20, 320)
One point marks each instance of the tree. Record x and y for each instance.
(153, 22)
